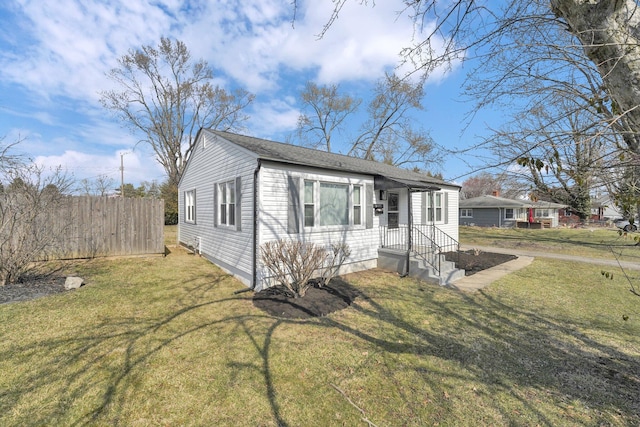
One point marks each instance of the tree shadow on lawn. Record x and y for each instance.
(503, 347)
(539, 352)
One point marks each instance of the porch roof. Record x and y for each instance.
(386, 183)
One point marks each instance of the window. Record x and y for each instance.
(190, 206)
(392, 210)
(329, 204)
(309, 204)
(508, 213)
(357, 205)
(436, 209)
(542, 213)
(466, 213)
(227, 204)
(334, 204)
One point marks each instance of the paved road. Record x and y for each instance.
(520, 252)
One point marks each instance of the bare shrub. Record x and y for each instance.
(29, 198)
(293, 263)
(335, 258)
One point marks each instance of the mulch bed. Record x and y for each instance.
(472, 263)
(31, 288)
(318, 301)
(339, 294)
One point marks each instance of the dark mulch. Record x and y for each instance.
(340, 294)
(31, 288)
(472, 263)
(318, 301)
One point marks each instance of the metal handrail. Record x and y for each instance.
(426, 239)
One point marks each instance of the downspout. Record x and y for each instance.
(254, 274)
(409, 233)
(499, 218)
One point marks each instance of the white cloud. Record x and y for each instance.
(275, 116)
(137, 166)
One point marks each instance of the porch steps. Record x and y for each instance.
(395, 260)
(420, 269)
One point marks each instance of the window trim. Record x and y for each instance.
(226, 209)
(513, 213)
(316, 226)
(466, 212)
(538, 213)
(190, 206)
(394, 212)
(432, 212)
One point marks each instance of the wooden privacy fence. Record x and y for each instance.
(105, 226)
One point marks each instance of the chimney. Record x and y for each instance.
(496, 193)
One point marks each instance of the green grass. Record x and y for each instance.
(589, 242)
(165, 341)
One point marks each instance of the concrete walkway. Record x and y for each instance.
(486, 277)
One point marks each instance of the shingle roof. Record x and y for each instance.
(500, 202)
(287, 153)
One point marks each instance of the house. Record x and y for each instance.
(495, 211)
(603, 210)
(238, 192)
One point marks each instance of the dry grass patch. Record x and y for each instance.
(165, 341)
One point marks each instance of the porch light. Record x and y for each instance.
(383, 195)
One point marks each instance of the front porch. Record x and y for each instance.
(418, 251)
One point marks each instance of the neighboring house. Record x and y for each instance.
(494, 211)
(238, 192)
(602, 210)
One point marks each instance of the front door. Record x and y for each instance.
(393, 206)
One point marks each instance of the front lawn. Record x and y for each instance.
(593, 242)
(165, 341)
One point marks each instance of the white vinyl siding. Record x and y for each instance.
(274, 189)
(230, 247)
(450, 212)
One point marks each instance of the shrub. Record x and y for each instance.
(335, 258)
(293, 264)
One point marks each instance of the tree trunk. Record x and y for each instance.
(609, 31)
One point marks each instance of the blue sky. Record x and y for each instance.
(54, 56)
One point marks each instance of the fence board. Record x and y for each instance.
(102, 226)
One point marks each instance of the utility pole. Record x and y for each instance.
(122, 174)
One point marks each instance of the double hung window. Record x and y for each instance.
(466, 213)
(190, 206)
(227, 205)
(434, 207)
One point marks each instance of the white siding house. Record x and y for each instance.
(239, 192)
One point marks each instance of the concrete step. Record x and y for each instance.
(420, 269)
(396, 261)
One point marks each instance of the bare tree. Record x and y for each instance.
(329, 110)
(387, 134)
(168, 97)
(101, 185)
(480, 185)
(29, 199)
